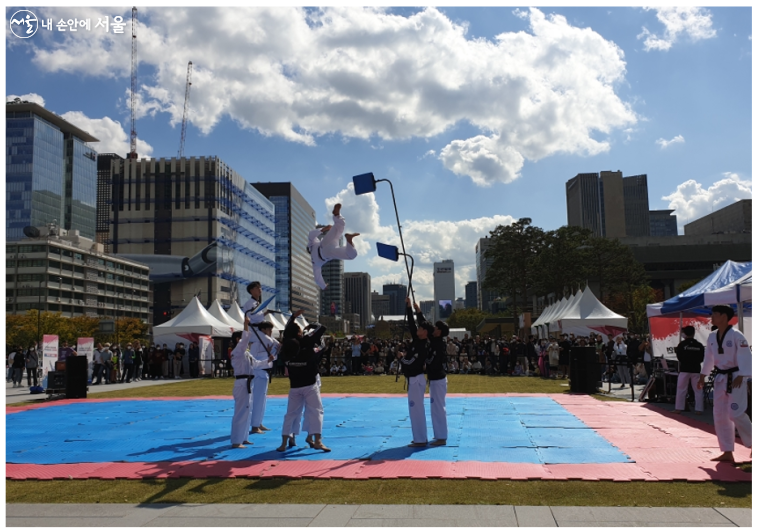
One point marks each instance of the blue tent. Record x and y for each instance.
(693, 299)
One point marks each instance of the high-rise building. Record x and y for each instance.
(482, 264)
(609, 204)
(427, 308)
(471, 295)
(295, 218)
(734, 218)
(65, 272)
(663, 223)
(331, 298)
(397, 298)
(203, 230)
(380, 305)
(443, 288)
(357, 291)
(50, 172)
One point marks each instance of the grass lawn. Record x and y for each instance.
(429, 491)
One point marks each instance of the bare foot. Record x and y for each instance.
(238, 446)
(725, 457)
(336, 209)
(350, 238)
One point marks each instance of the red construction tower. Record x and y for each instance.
(184, 113)
(133, 133)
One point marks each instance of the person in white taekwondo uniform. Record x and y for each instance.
(250, 307)
(262, 347)
(728, 351)
(411, 364)
(328, 249)
(244, 365)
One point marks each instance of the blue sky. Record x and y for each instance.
(478, 115)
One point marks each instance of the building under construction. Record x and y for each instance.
(201, 228)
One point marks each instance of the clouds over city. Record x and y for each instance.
(693, 23)
(691, 200)
(662, 143)
(428, 241)
(300, 74)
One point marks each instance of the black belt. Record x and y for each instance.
(319, 252)
(730, 373)
(249, 377)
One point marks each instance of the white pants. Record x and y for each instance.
(438, 408)
(260, 386)
(330, 241)
(729, 411)
(416, 397)
(624, 374)
(683, 389)
(305, 424)
(299, 398)
(242, 411)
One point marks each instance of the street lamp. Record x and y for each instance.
(366, 183)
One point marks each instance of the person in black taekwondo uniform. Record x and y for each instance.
(411, 364)
(435, 367)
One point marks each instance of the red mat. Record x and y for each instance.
(615, 472)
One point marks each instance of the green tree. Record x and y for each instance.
(561, 262)
(467, 318)
(514, 249)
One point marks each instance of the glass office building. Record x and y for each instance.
(295, 218)
(51, 173)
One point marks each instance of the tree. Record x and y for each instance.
(514, 249)
(599, 256)
(561, 262)
(467, 318)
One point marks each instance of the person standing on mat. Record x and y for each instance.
(412, 363)
(690, 354)
(435, 367)
(728, 351)
(244, 365)
(263, 346)
(303, 365)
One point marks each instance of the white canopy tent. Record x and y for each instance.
(555, 308)
(194, 319)
(236, 313)
(588, 315)
(218, 312)
(554, 325)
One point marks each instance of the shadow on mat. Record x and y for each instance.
(398, 453)
(192, 450)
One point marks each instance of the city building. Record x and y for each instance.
(50, 172)
(357, 291)
(380, 305)
(294, 219)
(663, 223)
(200, 227)
(427, 308)
(609, 204)
(673, 261)
(734, 218)
(443, 289)
(471, 295)
(62, 271)
(485, 296)
(459, 303)
(397, 295)
(331, 298)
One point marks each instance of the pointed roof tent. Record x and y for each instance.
(553, 324)
(738, 291)
(693, 299)
(588, 314)
(194, 319)
(218, 312)
(235, 312)
(277, 320)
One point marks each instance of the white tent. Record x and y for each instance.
(556, 309)
(739, 291)
(277, 319)
(588, 315)
(218, 312)
(235, 312)
(554, 325)
(194, 319)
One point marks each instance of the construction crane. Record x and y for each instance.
(133, 132)
(184, 113)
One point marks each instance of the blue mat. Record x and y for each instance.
(486, 429)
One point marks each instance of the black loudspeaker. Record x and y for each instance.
(56, 380)
(76, 378)
(584, 370)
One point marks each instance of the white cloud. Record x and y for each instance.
(428, 241)
(30, 97)
(678, 139)
(694, 22)
(113, 138)
(691, 201)
(300, 74)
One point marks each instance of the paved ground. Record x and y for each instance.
(297, 515)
